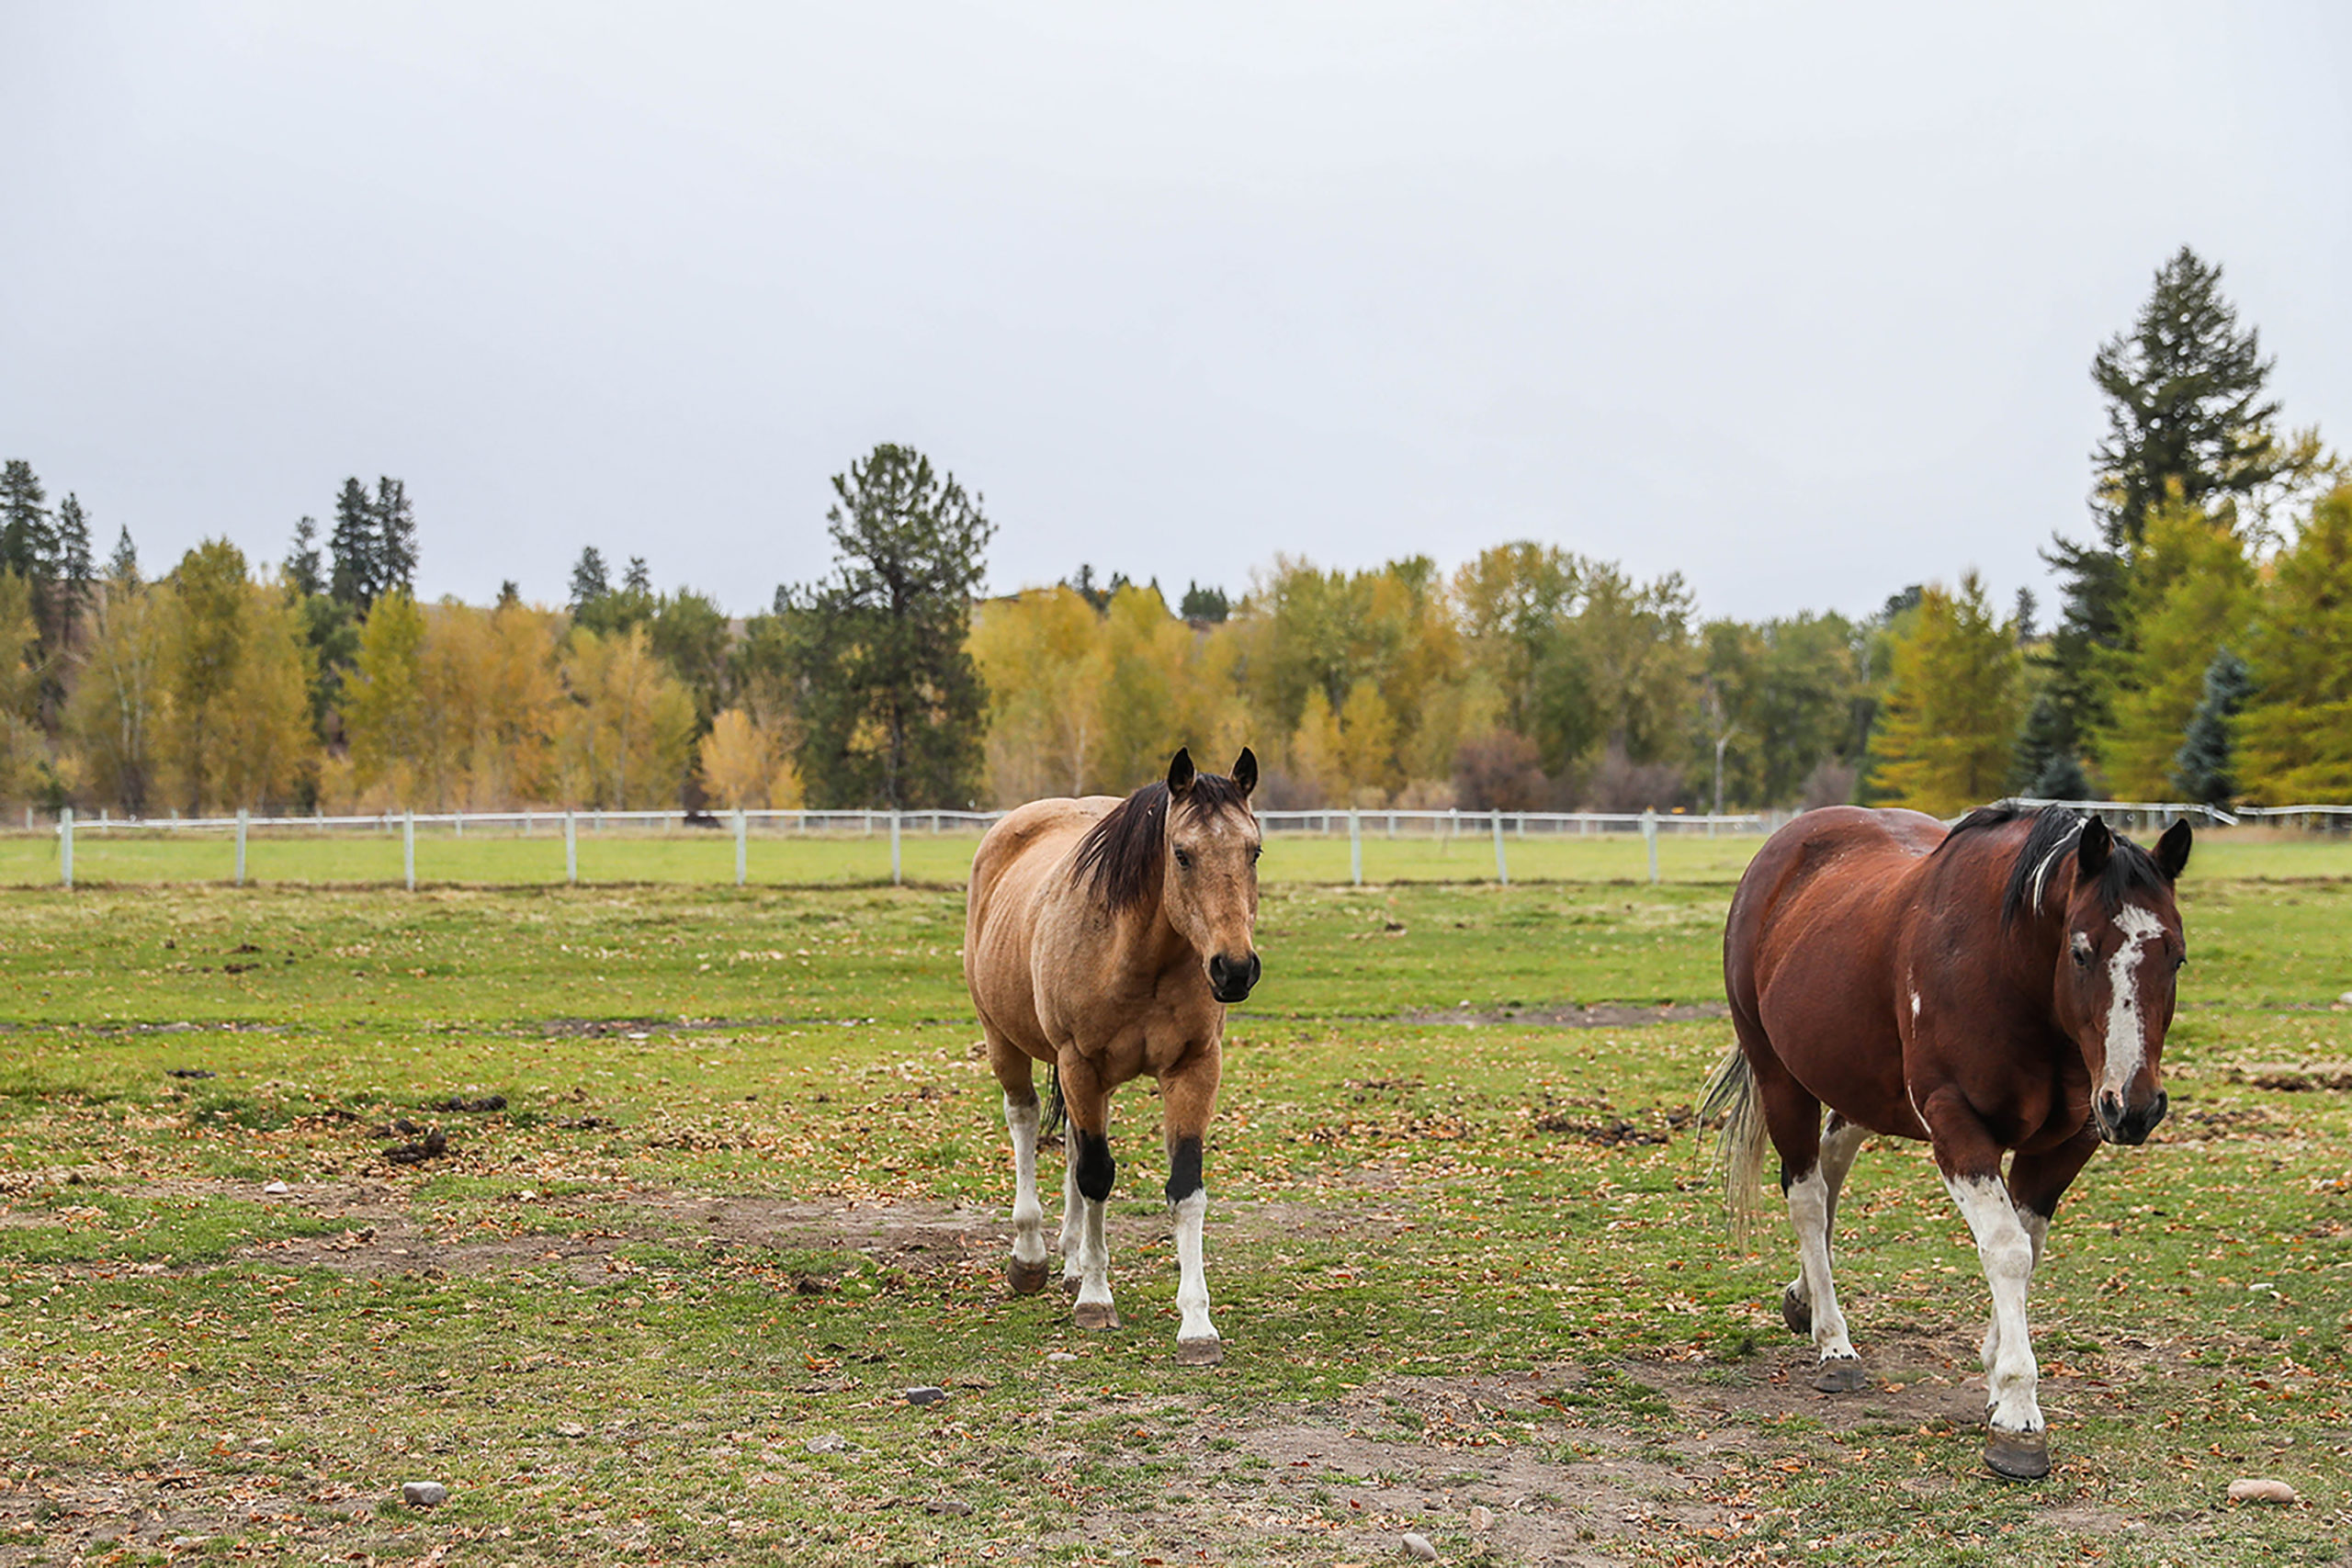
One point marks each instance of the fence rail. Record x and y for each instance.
(1448, 827)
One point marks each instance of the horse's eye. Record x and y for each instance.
(2082, 951)
(1184, 860)
(2180, 963)
(1253, 854)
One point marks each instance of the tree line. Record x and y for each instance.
(2202, 649)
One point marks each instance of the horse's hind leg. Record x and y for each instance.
(1812, 1167)
(1027, 1272)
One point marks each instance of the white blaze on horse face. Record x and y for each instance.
(2006, 1247)
(2126, 1034)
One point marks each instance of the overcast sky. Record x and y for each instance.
(1797, 301)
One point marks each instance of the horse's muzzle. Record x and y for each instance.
(2121, 1123)
(1230, 978)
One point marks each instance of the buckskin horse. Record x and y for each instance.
(1104, 938)
(2002, 987)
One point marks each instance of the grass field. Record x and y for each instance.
(748, 1184)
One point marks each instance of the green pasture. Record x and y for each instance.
(732, 1180)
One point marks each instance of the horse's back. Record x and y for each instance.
(1020, 866)
(1809, 950)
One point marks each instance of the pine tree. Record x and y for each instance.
(2204, 770)
(25, 541)
(638, 579)
(589, 582)
(123, 565)
(2185, 405)
(895, 703)
(1203, 604)
(2044, 765)
(353, 546)
(2186, 417)
(304, 568)
(395, 539)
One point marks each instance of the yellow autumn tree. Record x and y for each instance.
(1953, 703)
(1042, 655)
(745, 762)
(384, 709)
(2191, 594)
(236, 732)
(627, 735)
(115, 714)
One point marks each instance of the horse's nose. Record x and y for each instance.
(1230, 978)
(2121, 1122)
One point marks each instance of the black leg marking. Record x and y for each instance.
(1184, 1170)
(1095, 1170)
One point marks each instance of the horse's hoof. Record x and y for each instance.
(1095, 1315)
(1069, 1284)
(1797, 1314)
(2020, 1456)
(1844, 1375)
(1026, 1278)
(1200, 1352)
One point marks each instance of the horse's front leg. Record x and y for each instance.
(2036, 1183)
(2016, 1445)
(1189, 1095)
(1091, 1172)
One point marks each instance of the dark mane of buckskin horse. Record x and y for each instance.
(1121, 855)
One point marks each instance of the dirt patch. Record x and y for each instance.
(2293, 1076)
(1600, 1015)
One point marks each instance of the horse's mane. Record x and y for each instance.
(2054, 830)
(1120, 854)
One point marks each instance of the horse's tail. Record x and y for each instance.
(1739, 1141)
(1055, 1111)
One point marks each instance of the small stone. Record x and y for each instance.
(1482, 1519)
(258, 1445)
(569, 1429)
(946, 1506)
(1418, 1545)
(424, 1494)
(925, 1395)
(1059, 1356)
(2346, 999)
(827, 1443)
(2260, 1489)
(278, 1187)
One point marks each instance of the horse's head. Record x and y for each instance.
(2115, 980)
(1209, 882)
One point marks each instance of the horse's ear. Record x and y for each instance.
(2172, 849)
(2091, 848)
(1180, 772)
(1245, 772)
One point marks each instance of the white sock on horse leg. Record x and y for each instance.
(1809, 1217)
(1094, 1253)
(1192, 1282)
(1028, 1214)
(2006, 1247)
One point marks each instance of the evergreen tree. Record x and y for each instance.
(123, 566)
(2186, 416)
(353, 546)
(2185, 405)
(589, 582)
(2191, 591)
(638, 579)
(24, 542)
(304, 568)
(2203, 769)
(395, 539)
(2045, 765)
(509, 592)
(1203, 604)
(894, 703)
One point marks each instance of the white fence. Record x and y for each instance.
(1452, 826)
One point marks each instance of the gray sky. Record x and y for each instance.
(1799, 301)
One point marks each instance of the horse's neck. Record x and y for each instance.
(1143, 942)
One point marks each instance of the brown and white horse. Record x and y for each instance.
(1104, 938)
(2004, 987)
